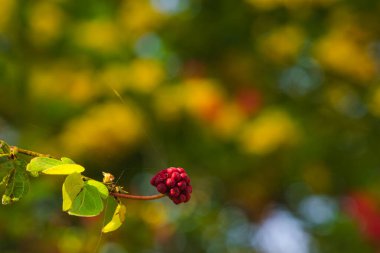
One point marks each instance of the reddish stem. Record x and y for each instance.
(127, 196)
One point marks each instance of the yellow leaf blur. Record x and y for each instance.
(64, 169)
(103, 130)
(272, 129)
(117, 219)
(45, 21)
(283, 44)
(71, 187)
(6, 11)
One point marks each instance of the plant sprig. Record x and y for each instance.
(81, 196)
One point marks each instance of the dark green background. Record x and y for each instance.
(271, 106)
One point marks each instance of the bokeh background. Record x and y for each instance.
(272, 106)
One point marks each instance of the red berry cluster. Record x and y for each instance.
(175, 183)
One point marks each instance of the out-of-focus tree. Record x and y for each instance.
(271, 106)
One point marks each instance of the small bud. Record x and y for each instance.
(108, 178)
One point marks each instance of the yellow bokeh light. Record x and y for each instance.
(139, 17)
(374, 102)
(100, 35)
(168, 102)
(270, 130)
(290, 4)
(70, 242)
(63, 82)
(202, 97)
(140, 75)
(6, 11)
(103, 130)
(145, 75)
(45, 22)
(345, 52)
(154, 214)
(228, 121)
(283, 43)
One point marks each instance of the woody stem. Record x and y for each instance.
(29, 152)
(128, 196)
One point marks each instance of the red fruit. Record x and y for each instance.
(182, 197)
(175, 183)
(170, 182)
(160, 178)
(170, 170)
(185, 177)
(162, 188)
(187, 197)
(182, 185)
(176, 201)
(174, 192)
(153, 180)
(175, 176)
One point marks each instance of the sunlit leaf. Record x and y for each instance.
(67, 160)
(42, 163)
(102, 189)
(33, 173)
(117, 219)
(16, 183)
(71, 187)
(87, 203)
(51, 166)
(64, 169)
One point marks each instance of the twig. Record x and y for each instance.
(128, 196)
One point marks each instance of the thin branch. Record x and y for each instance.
(29, 152)
(127, 196)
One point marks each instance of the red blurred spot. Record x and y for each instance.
(249, 100)
(365, 210)
(193, 69)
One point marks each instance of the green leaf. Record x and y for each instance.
(71, 187)
(4, 148)
(42, 163)
(102, 189)
(87, 203)
(117, 219)
(5, 152)
(52, 166)
(16, 183)
(6, 165)
(5, 179)
(67, 160)
(64, 169)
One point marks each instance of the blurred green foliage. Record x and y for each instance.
(272, 107)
